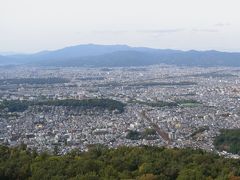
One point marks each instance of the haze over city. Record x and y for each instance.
(120, 89)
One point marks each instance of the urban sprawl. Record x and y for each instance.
(162, 106)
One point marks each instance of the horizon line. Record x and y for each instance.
(11, 53)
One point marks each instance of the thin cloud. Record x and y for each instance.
(206, 30)
(154, 31)
(111, 31)
(161, 31)
(222, 24)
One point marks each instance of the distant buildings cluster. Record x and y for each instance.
(63, 128)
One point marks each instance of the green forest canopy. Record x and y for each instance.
(228, 140)
(99, 162)
(109, 104)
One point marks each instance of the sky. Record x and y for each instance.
(28, 26)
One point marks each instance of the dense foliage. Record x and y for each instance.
(228, 140)
(148, 134)
(199, 130)
(143, 163)
(15, 105)
(88, 104)
(20, 106)
(186, 101)
(134, 135)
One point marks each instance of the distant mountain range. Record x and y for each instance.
(92, 55)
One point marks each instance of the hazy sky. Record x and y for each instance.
(34, 25)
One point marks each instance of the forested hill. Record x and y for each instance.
(91, 55)
(143, 163)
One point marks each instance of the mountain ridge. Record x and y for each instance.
(94, 55)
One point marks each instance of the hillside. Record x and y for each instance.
(143, 163)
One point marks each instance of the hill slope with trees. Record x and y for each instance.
(143, 163)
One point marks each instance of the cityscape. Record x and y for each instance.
(119, 90)
(163, 105)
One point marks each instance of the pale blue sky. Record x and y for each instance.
(35, 25)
